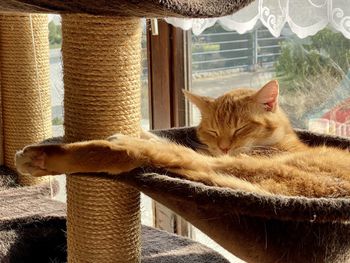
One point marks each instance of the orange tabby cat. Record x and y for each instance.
(232, 126)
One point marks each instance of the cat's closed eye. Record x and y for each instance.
(240, 129)
(213, 133)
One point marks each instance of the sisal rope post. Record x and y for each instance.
(25, 84)
(102, 62)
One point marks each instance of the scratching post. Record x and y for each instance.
(101, 58)
(25, 86)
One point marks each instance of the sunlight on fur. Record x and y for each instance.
(249, 145)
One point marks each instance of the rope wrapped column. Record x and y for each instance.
(25, 84)
(101, 61)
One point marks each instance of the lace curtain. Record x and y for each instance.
(304, 17)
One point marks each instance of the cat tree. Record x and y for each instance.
(101, 75)
(101, 60)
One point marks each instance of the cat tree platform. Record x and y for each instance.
(33, 229)
(138, 8)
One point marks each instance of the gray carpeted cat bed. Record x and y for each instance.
(32, 229)
(135, 8)
(256, 228)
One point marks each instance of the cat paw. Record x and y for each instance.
(31, 160)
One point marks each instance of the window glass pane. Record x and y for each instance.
(313, 75)
(55, 40)
(313, 72)
(57, 90)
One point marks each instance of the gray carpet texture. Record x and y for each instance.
(33, 226)
(134, 8)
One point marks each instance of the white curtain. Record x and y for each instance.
(304, 17)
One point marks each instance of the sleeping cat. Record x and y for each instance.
(232, 127)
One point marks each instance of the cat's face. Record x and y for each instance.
(241, 120)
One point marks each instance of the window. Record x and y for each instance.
(56, 80)
(313, 72)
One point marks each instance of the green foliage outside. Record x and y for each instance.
(57, 121)
(55, 35)
(309, 72)
(326, 52)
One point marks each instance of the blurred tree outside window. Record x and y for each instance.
(313, 72)
(55, 35)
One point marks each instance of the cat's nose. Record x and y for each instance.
(224, 149)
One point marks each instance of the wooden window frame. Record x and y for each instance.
(168, 69)
(168, 74)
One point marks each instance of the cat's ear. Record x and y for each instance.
(268, 95)
(202, 102)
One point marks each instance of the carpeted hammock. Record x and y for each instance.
(256, 228)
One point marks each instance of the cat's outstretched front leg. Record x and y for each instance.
(123, 154)
(115, 156)
(91, 156)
